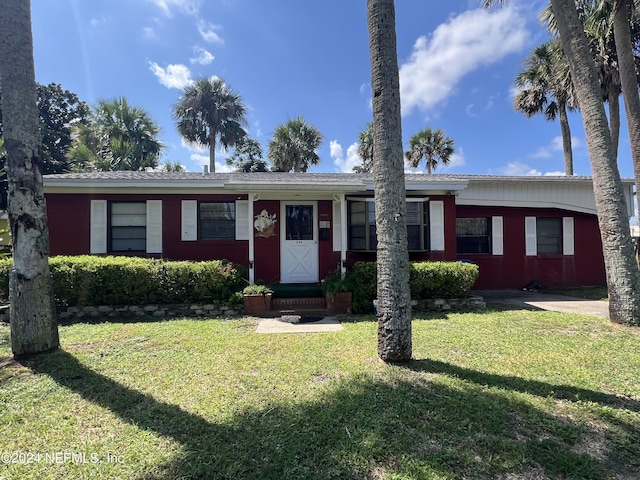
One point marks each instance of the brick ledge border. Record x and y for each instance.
(468, 304)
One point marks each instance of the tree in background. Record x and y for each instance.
(394, 299)
(209, 110)
(597, 17)
(170, 166)
(623, 276)
(294, 146)
(33, 314)
(119, 136)
(624, 12)
(60, 112)
(365, 149)
(247, 157)
(432, 146)
(544, 86)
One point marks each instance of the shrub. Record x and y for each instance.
(92, 280)
(426, 280)
(363, 278)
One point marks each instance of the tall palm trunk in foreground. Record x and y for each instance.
(394, 302)
(628, 80)
(33, 317)
(623, 276)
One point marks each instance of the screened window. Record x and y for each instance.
(473, 235)
(549, 235)
(128, 226)
(217, 220)
(362, 225)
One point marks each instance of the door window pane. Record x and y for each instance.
(299, 222)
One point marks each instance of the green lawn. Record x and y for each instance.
(509, 394)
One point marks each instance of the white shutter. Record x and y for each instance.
(436, 225)
(154, 226)
(337, 227)
(242, 220)
(189, 220)
(531, 239)
(98, 229)
(567, 236)
(497, 236)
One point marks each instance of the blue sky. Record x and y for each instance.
(289, 57)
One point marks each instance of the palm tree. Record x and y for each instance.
(247, 157)
(118, 137)
(624, 10)
(365, 149)
(432, 145)
(33, 314)
(394, 300)
(207, 111)
(544, 86)
(623, 276)
(170, 166)
(294, 146)
(128, 136)
(597, 17)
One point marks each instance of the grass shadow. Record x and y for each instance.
(362, 427)
(532, 387)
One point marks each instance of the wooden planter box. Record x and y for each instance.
(339, 302)
(257, 303)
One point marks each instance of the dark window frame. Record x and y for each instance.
(116, 239)
(417, 232)
(211, 227)
(552, 238)
(465, 243)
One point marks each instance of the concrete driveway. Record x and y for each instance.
(545, 301)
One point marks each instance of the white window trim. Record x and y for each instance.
(243, 229)
(568, 242)
(154, 226)
(189, 220)
(497, 236)
(98, 229)
(436, 225)
(531, 239)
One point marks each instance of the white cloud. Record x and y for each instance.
(199, 154)
(203, 57)
(99, 22)
(466, 42)
(174, 76)
(518, 169)
(208, 32)
(148, 33)
(168, 7)
(344, 165)
(554, 146)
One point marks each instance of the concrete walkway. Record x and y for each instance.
(545, 301)
(273, 325)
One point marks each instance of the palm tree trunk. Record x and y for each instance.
(614, 120)
(566, 139)
(33, 314)
(623, 276)
(626, 66)
(394, 302)
(212, 150)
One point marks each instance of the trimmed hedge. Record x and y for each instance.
(92, 280)
(426, 280)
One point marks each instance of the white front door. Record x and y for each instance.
(299, 242)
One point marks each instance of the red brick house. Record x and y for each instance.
(300, 227)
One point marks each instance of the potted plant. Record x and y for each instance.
(257, 299)
(337, 294)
